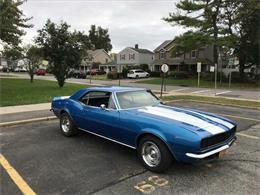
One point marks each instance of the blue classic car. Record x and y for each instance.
(135, 117)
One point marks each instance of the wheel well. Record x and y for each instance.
(62, 111)
(150, 134)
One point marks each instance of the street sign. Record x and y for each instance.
(212, 69)
(198, 71)
(165, 68)
(198, 66)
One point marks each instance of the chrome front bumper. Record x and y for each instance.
(207, 154)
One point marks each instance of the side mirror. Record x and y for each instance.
(103, 107)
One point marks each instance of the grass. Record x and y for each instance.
(194, 83)
(21, 91)
(214, 100)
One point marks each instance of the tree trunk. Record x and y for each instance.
(242, 60)
(31, 76)
(61, 82)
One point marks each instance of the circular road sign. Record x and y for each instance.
(165, 68)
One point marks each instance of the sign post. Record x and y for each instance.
(212, 69)
(119, 75)
(229, 83)
(164, 69)
(198, 71)
(216, 74)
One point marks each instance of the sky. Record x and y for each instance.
(129, 22)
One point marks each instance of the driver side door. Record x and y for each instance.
(102, 121)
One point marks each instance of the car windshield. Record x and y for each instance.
(134, 99)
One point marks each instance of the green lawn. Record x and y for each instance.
(214, 100)
(194, 83)
(21, 91)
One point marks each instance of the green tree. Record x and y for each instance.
(99, 38)
(245, 27)
(62, 48)
(202, 16)
(12, 53)
(34, 55)
(12, 22)
(232, 24)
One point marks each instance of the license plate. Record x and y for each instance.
(222, 153)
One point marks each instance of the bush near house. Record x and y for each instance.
(155, 74)
(179, 74)
(114, 75)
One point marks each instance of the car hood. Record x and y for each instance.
(190, 119)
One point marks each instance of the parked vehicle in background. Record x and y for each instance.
(138, 73)
(40, 72)
(96, 72)
(20, 69)
(79, 74)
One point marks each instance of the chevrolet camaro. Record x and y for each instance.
(135, 117)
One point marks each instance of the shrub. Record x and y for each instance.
(144, 67)
(155, 74)
(112, 75)
(179, 75)
(124, 72)
(207, 76)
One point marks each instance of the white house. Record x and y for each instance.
(132, 56)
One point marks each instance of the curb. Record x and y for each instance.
(11, 123)
(215, 103)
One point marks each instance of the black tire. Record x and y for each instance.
(166, 159)
(72, 130)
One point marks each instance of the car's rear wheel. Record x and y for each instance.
(66, 125)
(154, 154)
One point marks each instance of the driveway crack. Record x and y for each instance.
(118, 181)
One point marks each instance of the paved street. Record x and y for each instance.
(253, 94)
(85, 164)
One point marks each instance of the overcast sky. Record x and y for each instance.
(129, 22)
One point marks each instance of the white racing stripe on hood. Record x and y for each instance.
(215, 119)
(183, 117)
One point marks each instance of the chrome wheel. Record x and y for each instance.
(65, 124)
(151, 154)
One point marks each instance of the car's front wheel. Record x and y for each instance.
(154, 154)
(66, 125)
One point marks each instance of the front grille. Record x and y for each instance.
(217, 139)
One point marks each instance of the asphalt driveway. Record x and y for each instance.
(85, 164)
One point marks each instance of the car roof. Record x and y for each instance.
(111, 89)
(115, 88)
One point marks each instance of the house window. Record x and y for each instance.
(131, 56)
(122, 57)
(162, 55)
(193, 54)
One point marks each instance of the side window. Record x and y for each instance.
(111, 103)
(96, 98)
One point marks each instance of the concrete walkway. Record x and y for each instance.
(24, 108)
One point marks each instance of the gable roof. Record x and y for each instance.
(164, 44)
(145, 51)
(96, 52)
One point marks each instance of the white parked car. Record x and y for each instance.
(20, 69)
(138, 73)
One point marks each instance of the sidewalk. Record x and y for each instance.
(24, 108)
